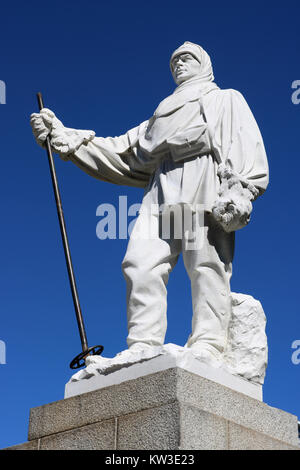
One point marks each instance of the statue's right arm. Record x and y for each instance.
(110, 159)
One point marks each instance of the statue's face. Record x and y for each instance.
(185, 66)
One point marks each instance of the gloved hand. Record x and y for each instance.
(63, 140)
(233, 207)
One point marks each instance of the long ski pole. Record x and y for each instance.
(78, 361)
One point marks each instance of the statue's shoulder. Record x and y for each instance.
(227, 98)
(227, 93)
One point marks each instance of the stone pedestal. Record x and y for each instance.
(169, 409)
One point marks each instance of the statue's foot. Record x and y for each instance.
(207, 354)
(96, 360)
(138, 352)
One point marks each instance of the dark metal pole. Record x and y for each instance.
(85, 349)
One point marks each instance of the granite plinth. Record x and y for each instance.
(170, 409)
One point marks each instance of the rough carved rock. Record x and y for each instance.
(247, 349)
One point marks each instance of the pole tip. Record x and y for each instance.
(40, 100)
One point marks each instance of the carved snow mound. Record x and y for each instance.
(106, 365)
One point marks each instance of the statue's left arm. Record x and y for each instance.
(236, 137)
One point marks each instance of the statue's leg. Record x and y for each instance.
(210, 269)
(146, 267)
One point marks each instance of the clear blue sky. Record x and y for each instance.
(105, 66)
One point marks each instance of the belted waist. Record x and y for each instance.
(185, 144)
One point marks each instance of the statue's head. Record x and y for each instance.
(191, 61)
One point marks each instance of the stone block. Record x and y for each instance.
(240, 438)
(128, 397)
(155, 429)
(99, 436)
(237, 407)
(31, 445)
(200, 430)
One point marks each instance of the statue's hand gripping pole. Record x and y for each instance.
(78, 361)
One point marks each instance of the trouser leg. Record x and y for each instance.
(146, 267)
(210, 269)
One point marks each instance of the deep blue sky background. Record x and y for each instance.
(105, 66)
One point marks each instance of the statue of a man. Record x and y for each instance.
(200, 140)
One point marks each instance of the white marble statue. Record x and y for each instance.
(201, 147)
